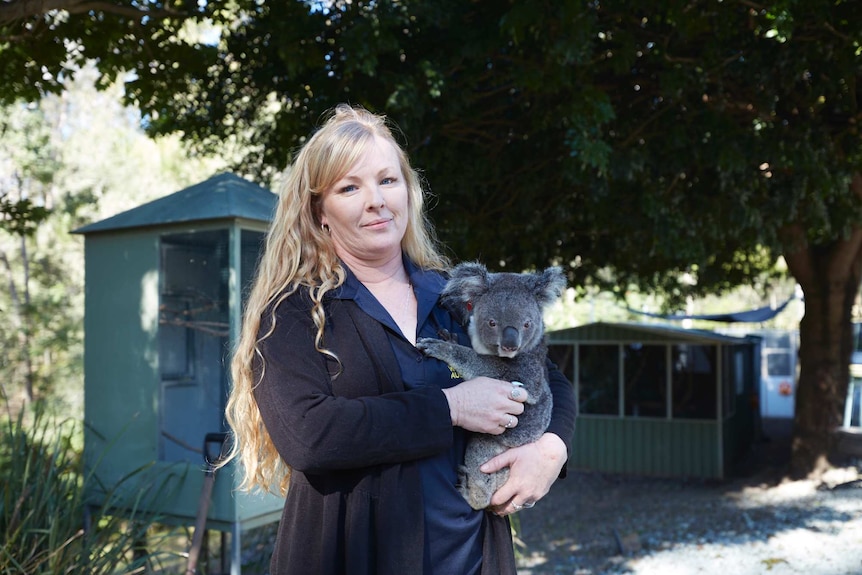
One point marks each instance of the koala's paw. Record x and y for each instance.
(427, 345)
(477, 492)
(472, 488)
(461, 485)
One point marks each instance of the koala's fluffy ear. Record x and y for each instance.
(549, 285)
(467, 282)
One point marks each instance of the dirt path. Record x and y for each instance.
(592, 524)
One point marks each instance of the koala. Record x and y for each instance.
(506, 331)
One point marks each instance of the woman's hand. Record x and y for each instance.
(485, 405)
(533, 468)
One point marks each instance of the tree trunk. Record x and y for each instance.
(27, 317)
(829, 275)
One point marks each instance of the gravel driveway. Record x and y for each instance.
(593, 524)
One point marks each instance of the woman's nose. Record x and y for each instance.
(375, 198)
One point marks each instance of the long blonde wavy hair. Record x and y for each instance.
(299, 253)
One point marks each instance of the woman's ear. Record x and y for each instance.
(319, 216)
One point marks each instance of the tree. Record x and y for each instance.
(29, 162)
(647, 139)
(43, 42)
(79, 157)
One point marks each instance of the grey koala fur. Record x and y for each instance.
(507, 333)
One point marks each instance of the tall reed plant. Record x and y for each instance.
(47, 525)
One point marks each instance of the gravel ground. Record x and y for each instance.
(759, 523)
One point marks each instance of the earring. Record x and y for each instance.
(324, 227)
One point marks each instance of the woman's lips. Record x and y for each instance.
(378, 223)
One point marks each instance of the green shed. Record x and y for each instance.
(163, 305)
(659, 400)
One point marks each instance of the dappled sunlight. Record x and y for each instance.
(150, 312)
(601, 524)
(789, 490)
(816, 548)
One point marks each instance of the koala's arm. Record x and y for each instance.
(461, 358)
(564, 408)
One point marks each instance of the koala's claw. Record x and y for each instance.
(425, 343)
(445, 335)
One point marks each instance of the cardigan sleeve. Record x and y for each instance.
(315, 430)
(564, 410)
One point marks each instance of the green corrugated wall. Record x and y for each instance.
(679, 448)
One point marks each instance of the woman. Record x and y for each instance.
(331, 396)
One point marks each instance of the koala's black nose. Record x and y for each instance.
(511, 339)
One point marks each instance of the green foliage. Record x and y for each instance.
(25, 144)
(80, 157)
(40, 50)
(47, 525)
(21, 217)
(651, 139)
(648, 138)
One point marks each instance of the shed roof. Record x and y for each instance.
(223, 196)
(639, 332)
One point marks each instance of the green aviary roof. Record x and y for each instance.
(223, 196)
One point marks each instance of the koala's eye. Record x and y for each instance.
(527, 324)
(492, 323)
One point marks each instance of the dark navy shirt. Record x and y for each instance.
(453, 530)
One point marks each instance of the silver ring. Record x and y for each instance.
(528, 504)
(516, 506)
(516, 393)
(511, 423)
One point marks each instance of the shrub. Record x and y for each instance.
(46, 524)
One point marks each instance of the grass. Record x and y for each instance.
(47, 525)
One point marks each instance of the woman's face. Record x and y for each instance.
(367, 209)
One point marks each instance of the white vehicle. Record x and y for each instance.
(779, 359)
(853, 404)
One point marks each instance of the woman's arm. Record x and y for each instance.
(315, 430)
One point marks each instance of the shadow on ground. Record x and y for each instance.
(594, 523)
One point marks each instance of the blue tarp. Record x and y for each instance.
(747, 316)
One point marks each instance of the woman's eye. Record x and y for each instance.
(387, 181)
(350, 188)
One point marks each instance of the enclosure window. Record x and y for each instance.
(645, 372)
(736, 384)
(693, 380)
(193, 336)
(777, 339)
(779, 363)
(740, 377)
(252, 247)
(563, 356)
(599, 379)
(853, 406)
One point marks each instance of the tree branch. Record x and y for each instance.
(846, 256)
(796, 253)
(799, 257)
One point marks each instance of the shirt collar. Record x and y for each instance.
(427, 285)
